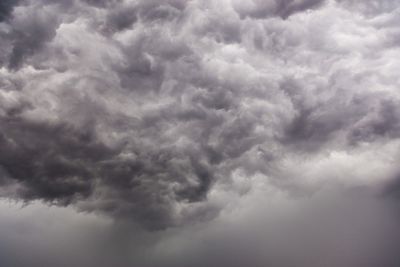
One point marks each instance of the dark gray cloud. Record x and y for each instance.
(63, 165)
(142, 105)
(189, 116)
(6, 8)
(264, 9)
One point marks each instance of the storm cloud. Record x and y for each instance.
(172, 118)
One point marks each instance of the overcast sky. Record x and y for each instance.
(194, 133)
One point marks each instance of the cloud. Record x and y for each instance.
(189, 116)
(6, 8)
(350, 228)
(67, 239)
(370, 8)
(263, 9)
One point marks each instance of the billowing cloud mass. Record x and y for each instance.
(267, 130)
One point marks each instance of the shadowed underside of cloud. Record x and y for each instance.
(6, 8)
(283, 8)
(164, 112)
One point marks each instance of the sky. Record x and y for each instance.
(176, 133)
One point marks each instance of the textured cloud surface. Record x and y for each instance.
(183, 116)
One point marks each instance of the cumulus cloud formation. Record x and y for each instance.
(175, 114)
